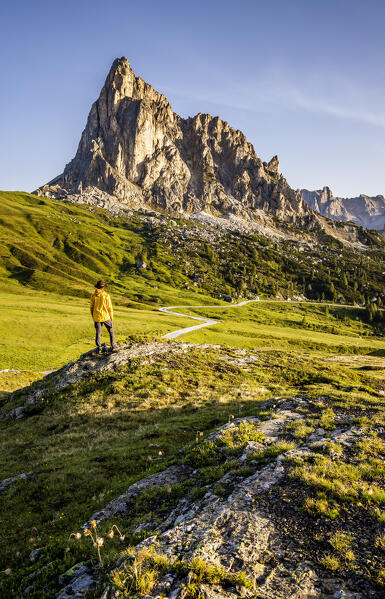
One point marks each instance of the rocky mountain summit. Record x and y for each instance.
(366, 211)
(136, 152)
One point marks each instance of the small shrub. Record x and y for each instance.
(142, 570)
(380, 577)
(342, 541)
(380, 541)
(379, 515)
(204, 454)
(191, 591)
(272, 451)
(299, 429)
(330, 562)
(327, 419)
(138, 576)
(239, 436)
(371, 445)
(321, 507)
(328, 447)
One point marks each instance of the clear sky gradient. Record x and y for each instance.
(301, 78)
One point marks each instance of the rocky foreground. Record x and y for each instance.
(285, 502)
(238, 531)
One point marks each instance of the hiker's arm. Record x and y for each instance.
(109, 308)
(92, 306)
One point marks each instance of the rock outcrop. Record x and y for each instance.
(136, 152)
(366, 211)
(238, 513)
(75, 372)
(239, 524)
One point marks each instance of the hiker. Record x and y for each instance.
(102, 313)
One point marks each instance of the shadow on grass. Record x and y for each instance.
(81, 461)
(380, 353)
(88, 443)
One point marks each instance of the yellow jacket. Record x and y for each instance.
(101, 306)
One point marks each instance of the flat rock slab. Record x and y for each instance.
(118, 506)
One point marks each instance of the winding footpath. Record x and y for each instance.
(206, 322)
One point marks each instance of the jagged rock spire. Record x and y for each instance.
(136, 151)
(273, 165)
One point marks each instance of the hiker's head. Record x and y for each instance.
(100, 285)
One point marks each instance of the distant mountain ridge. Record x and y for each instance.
(136, 152)
(366, 211)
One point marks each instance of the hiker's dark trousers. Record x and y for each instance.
(110, 329)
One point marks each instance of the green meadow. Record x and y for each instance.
(43, 331)
(313, 328)
(51, 254)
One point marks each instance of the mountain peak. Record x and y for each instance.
(120, 68)
(120, 63)
(136, 152)
(364, 210)
(273, 164)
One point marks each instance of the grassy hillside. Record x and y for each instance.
(87, 444)
(51, 254)
(84, 445)
(51, 245)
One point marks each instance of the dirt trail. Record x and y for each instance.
(206, 322)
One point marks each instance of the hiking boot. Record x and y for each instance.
(99, 352)
(114, 349)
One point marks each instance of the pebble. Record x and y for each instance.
(35, 554)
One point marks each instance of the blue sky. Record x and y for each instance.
(301, 78)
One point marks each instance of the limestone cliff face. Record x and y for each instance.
(136, 151)
(363, 210)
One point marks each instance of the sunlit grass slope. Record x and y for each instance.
(310, 328)
(51, 254)
(62, 248)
